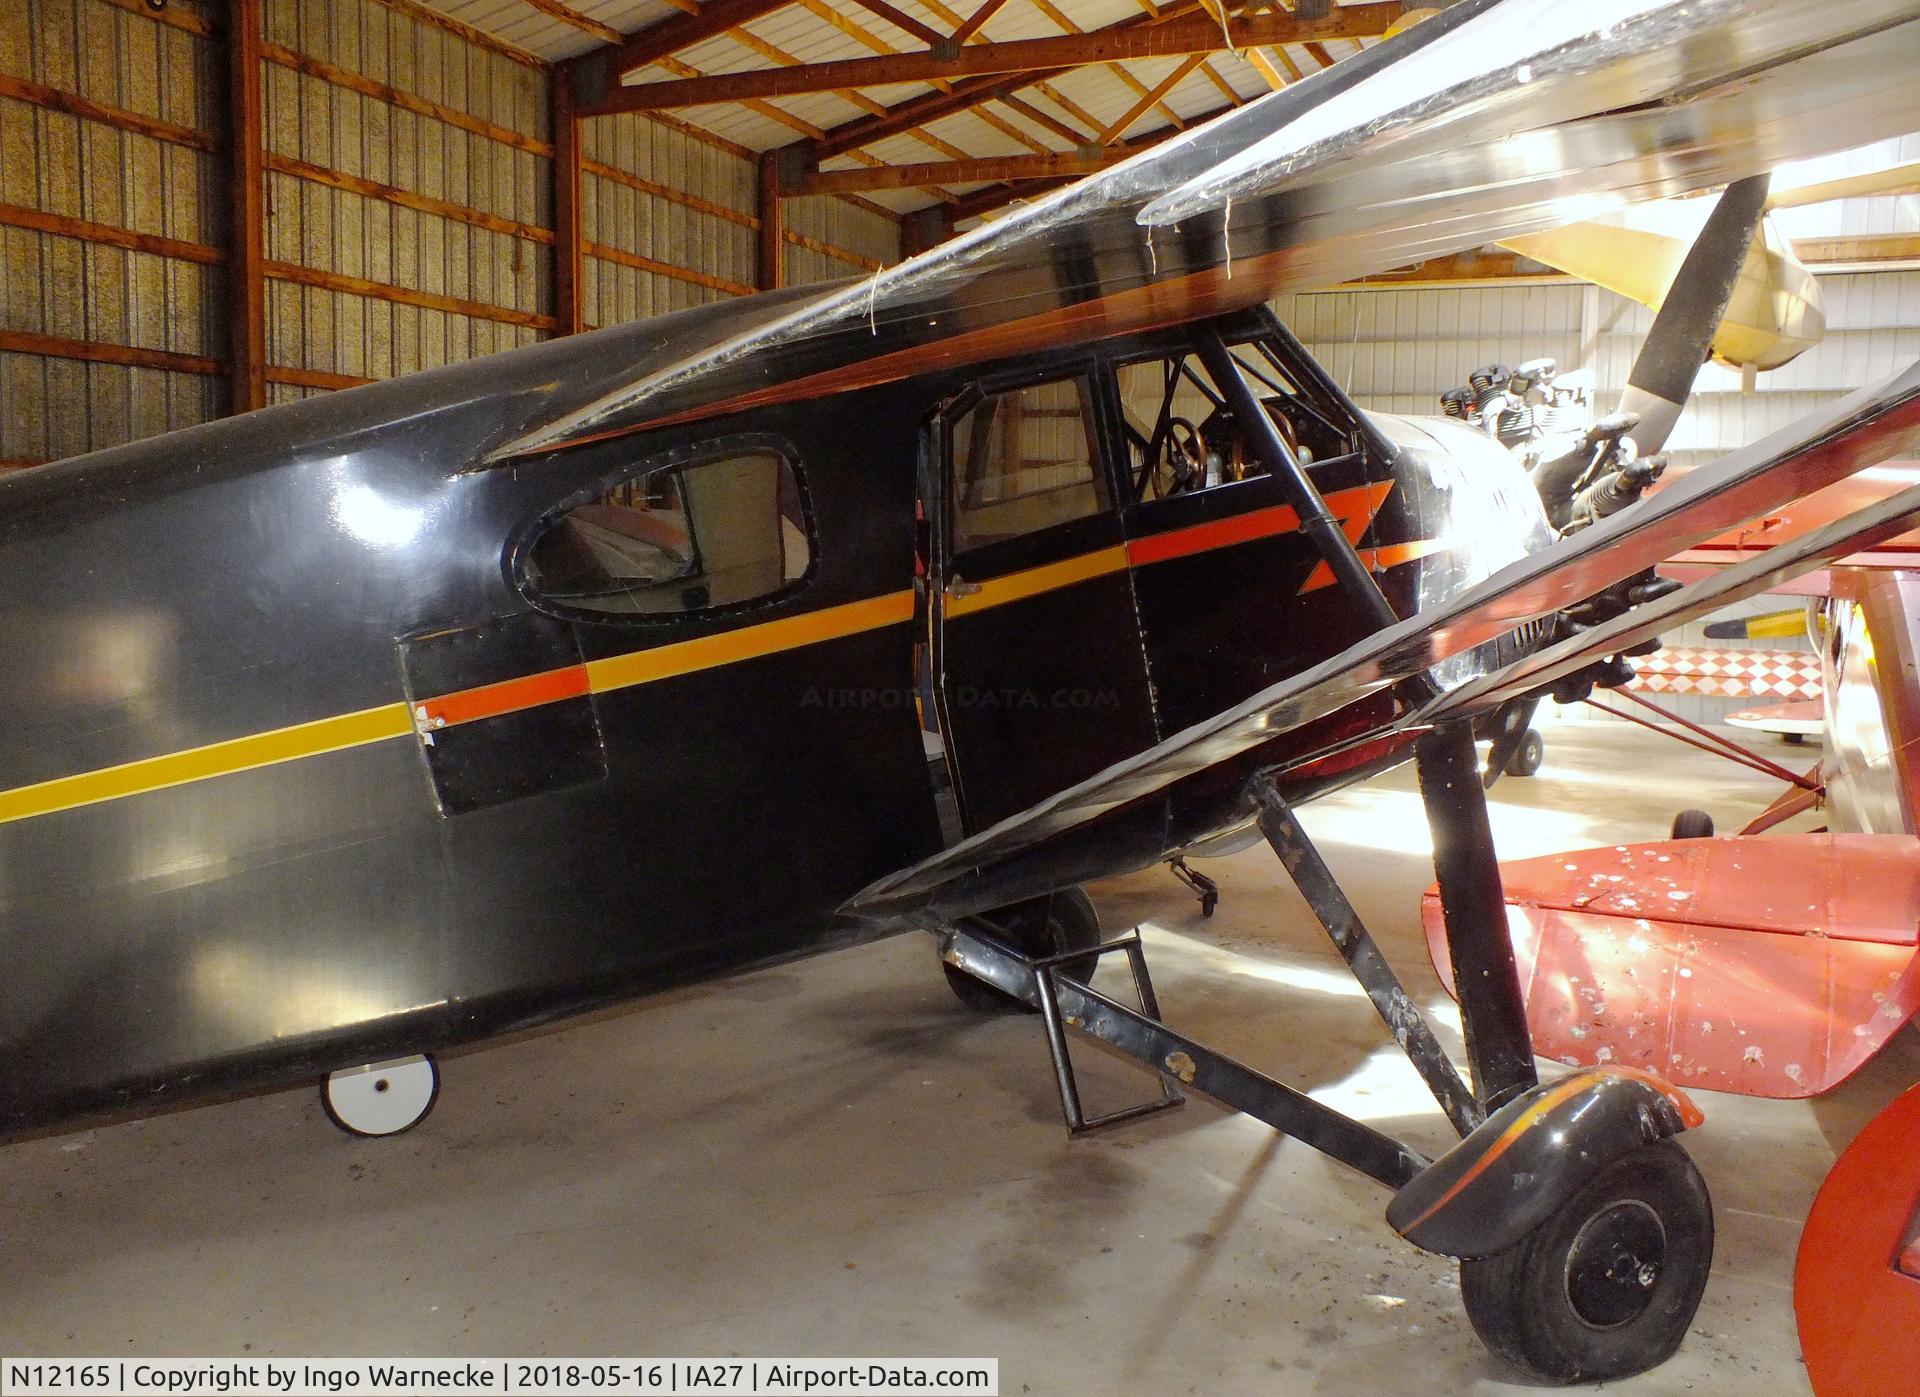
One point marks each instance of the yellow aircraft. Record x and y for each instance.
(1776, 312)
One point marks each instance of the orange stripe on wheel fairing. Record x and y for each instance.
(1690, 1117)
(1522, 1123)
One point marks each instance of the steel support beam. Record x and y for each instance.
(1143, 1037)
(246, 186)
(770, 259)
(1363, 957)
(569, 237)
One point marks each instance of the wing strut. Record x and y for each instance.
(1494, 1010)
(1316, 520)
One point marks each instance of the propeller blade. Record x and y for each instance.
(1663, 374)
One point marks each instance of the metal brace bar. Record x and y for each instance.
(1234, 1084)
(1363, 957)
(1316, 520)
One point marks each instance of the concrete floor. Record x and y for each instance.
(833, 1159)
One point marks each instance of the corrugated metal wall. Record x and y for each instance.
(1396, 350)
(64, 164)
(408, 210)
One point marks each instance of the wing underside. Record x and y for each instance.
(1495, 119)
(1867, 427)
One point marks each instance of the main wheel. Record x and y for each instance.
(1608, 1284)
(1527, 757)
(1693, 824)
(382, 1098)
(1047, 926)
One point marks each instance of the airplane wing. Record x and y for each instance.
(1493, 119)
(1866, 427)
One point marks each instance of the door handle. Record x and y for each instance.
(960, 587)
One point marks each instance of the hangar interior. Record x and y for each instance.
(213, 206)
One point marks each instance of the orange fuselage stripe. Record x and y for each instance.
(508, 696)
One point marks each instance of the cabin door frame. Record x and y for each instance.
(1039, 665)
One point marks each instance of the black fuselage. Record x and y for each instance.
(296, 772)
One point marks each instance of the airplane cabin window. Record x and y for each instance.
(1024, 460)
(676, 539)
(1181, 435)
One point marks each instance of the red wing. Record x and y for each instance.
(1772, 966)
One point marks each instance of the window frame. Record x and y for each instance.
(1089, 370)
(1269, 343)
(518, 554)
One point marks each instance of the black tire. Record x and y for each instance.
(1063, 921)
(1528, 755)
(1573, 1301)
(1693, 824)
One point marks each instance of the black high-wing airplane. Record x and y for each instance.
(347, 731)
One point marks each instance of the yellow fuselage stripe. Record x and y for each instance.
(395, 720)
(215, 759)
(1017, 586)
(748, 643)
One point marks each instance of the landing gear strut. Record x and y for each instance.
(1584, 1233)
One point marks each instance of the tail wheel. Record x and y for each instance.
(1527, 757)
(1047, 926)
(1608, 1284)
(382, 1098)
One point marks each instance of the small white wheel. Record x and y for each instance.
(382, 1098)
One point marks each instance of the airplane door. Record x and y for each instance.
(1042, 676)
(1232, 596)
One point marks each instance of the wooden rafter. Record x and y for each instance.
(970, 171)
(976, 92)
(669, 36)
(597, 71)
(1041, 117)
(566, 14)
(997, 196)
(971, 26)
(1067, 26)
(1207, 70)
(1151, 99)
(1189, 33)
(1210, 6)
(903, 21)
(1264, 67)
